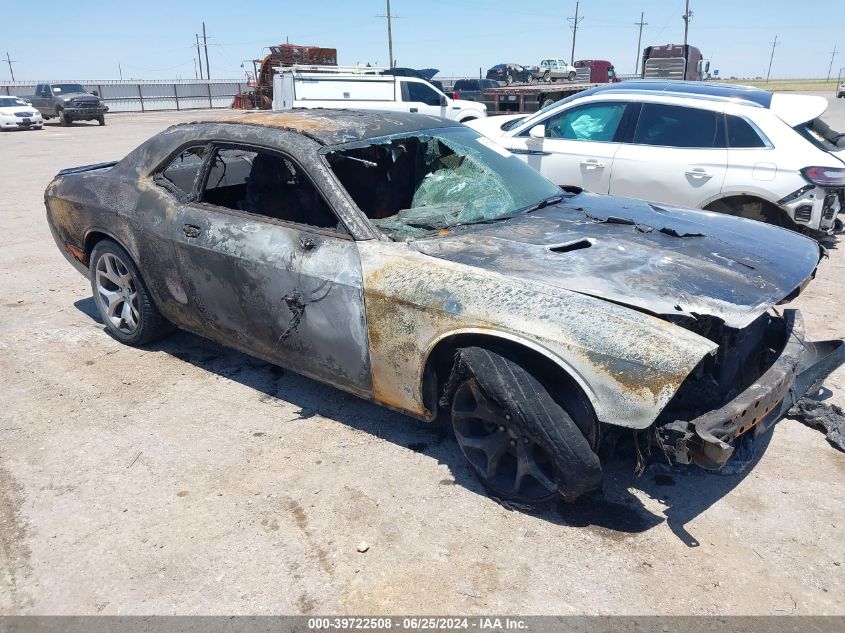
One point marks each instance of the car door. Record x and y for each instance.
(269, 269)
(578, 144)
(676, 155)
(419, 97)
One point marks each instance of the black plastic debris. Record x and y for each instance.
(824, 417)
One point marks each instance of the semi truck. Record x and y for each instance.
(597, 71)
(674, 61)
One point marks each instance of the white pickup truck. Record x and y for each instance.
(556, 69)
(365, 89)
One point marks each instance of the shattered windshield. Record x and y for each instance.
(433, 181)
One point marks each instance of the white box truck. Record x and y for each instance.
(365, 89)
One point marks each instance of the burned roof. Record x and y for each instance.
(333, 127)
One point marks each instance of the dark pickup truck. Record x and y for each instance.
(68, 102)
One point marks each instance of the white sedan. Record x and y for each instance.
(17, 114)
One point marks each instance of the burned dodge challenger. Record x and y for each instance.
(410, 261)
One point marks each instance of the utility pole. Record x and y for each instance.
(205, 46)
(196, 75)
(769, 72)
(641, 24)
(575, 21)
(829, 69)
(390, 18)
(120, 70)
(199, 57)
(687, 15)
(10, 62)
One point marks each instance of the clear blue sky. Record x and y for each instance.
(152, 39)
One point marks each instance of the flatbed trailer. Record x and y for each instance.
(528, 97)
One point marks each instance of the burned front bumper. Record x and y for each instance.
(800, 368)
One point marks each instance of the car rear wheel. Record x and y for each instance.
(546, 102)
(521, 443)
(529, 78)
(571, 75)
(123, 301)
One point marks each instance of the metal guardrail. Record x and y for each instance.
(147, 96)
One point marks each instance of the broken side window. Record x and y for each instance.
(266, 184)
(411, 186)
(182, 170)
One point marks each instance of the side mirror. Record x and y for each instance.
(443, 100)
(538, 131)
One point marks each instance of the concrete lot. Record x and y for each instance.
(186, 478)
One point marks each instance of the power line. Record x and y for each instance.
(205, 45)
(10, 62)
(769, 72)
(390, 19)
(686, 16)
(641, 24)
(830, 68)
(574, 22)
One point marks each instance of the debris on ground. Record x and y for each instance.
(363, 546)
(821, 416)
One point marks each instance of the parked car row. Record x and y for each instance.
(68, 102)
(410, 261)
(724, 148)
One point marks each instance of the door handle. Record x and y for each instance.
(697, 172)
(191, 231)
(415, 109)
(592, 164)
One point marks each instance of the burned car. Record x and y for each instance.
(410, 261)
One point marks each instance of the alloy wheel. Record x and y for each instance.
(117, 291)
(507, 460)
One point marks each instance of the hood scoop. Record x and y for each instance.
(568, 247)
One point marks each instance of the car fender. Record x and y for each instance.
(628, 363)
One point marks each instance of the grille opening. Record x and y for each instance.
(803, 213)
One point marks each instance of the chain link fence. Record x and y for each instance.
(147, 96)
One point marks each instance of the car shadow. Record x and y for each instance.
(684, 492)
(80, 124)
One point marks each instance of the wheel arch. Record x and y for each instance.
(551, 370)
(730, 195)
(96, 235)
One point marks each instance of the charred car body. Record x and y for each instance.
(409, 261)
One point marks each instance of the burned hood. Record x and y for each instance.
(659, 259)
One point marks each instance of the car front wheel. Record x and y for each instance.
(123, 301)
(521, 443)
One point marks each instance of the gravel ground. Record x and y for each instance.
(186, 478)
